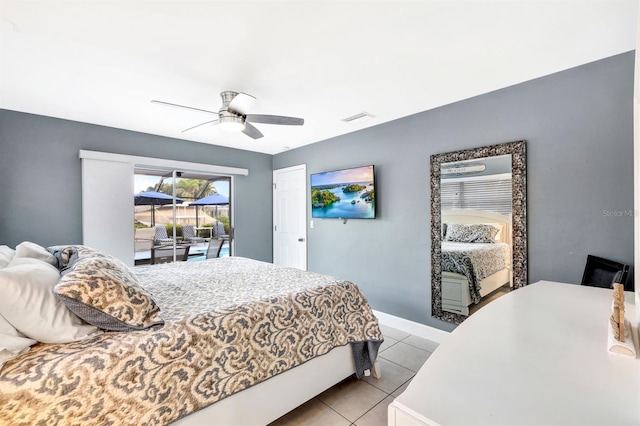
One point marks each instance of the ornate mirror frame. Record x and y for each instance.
(517, 150)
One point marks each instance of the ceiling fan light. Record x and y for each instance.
(232, 124)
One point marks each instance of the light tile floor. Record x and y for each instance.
(354, 402)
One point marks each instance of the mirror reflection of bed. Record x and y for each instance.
(476, 259)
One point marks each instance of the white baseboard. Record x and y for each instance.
(411, 327)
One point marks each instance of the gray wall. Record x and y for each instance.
(578, 126)
(41, 179)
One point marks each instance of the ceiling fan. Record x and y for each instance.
(233, 115)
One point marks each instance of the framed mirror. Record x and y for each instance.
(478, 227)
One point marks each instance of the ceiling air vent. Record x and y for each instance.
(358, 117)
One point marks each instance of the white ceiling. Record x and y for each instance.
(103, 61)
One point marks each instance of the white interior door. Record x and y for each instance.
(290, 217)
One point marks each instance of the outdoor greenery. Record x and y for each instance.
(169, 228)
(190, 189)
(225, 222)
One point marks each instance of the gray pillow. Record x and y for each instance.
(104, 292)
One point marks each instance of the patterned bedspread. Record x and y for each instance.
(476, 261)
(230, 323)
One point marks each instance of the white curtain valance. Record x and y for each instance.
(161, 163)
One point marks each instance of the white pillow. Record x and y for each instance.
(34, 251)
(6, 254)
(28, 303)
(12, 342)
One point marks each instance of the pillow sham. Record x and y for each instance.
(471, 233)
(6, 254)
(29, 305)
(12, 342)
(498, 226)
(34, 251)
(104, 292)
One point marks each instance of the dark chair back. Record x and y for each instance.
(165, 254)
(215, 245)
(600, 272)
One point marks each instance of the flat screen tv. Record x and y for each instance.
(344, 194)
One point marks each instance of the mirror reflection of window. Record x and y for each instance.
(466, 185)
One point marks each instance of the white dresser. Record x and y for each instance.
(537, 356)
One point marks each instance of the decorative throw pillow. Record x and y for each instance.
(29, 305)
(499, 227)
(34, 251)
(67, 255)
(104, 292)
(6, 254)
(472, 233)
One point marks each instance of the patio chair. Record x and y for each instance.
(189, 234)
(161, 236)
(218, 230)
(165, 254)
(215, 245)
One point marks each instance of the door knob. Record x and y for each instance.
(301, 239)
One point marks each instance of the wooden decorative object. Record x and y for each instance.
(617, 316)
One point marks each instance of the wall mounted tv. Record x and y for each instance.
(344, 194)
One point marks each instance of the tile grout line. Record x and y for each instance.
(403, 366)
(378, 403)
(390, 346)
(335, 411)
(374, 405)
(408, 344)
(413, 335)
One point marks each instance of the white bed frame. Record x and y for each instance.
(456, 296)
(267, 401)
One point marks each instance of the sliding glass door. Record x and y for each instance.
(178, 213)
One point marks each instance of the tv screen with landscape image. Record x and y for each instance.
(344, 194)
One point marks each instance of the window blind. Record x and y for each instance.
(490, 195)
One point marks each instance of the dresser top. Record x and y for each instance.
(537, 356)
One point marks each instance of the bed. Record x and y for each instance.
(476, 256)
(222, 341)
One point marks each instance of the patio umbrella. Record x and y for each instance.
(154, 198)
(214, 199)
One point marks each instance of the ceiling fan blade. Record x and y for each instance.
(241, 103)
(251, 131)
(207, 124)
(275, 119)
(182, 106)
